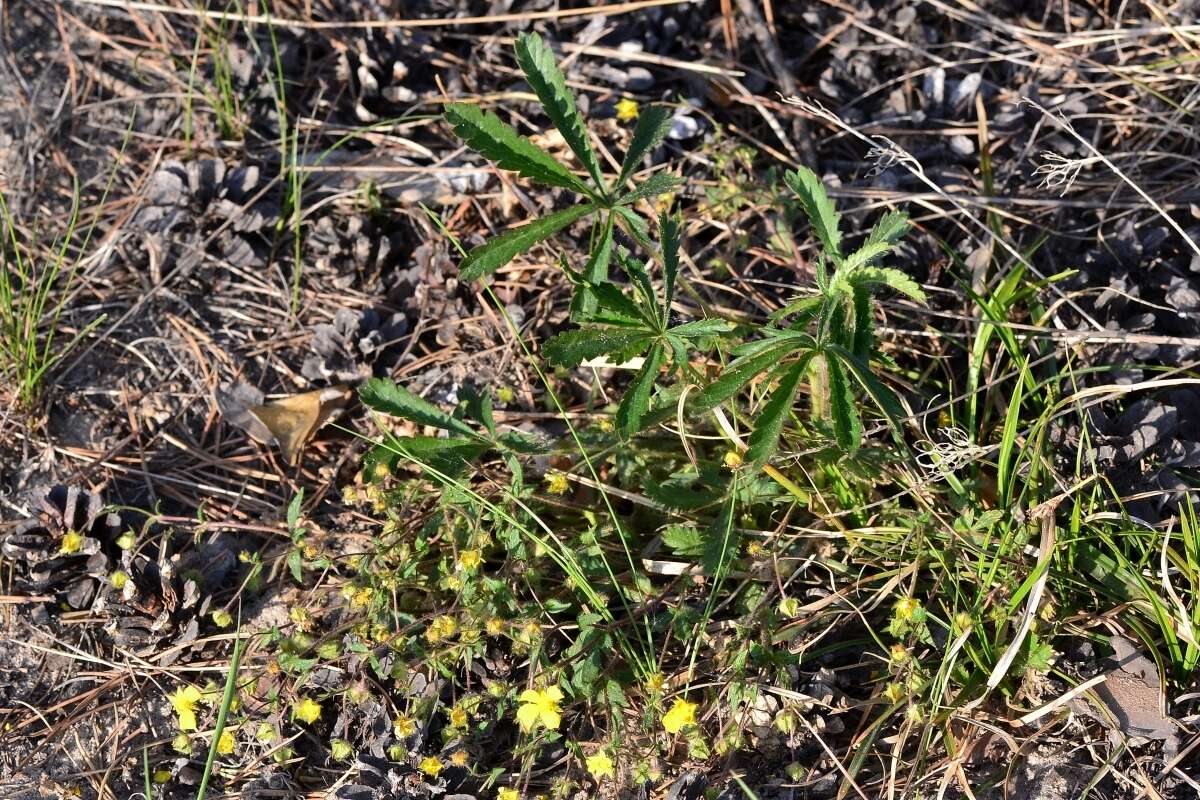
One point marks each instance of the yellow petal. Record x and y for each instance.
(187, 719)
(527, 716)
(554, 693)
(225, 743)
(551, 718)
(530, 696)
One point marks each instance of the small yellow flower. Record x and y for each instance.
(443, 627)
(894, 692)
(656, 683)
(495, 626)
(222, 618)
(627, 109)
(733, 459)
(361, 598)
(404, 727)
(383, 469)
(184, 701)
(126, 540)
(307, 710)
(906, 607)
(431, 766)
(540, 706)
(225, 743)
(459, 758)
(341, 750)
(600, 765)
(118, 579)
(469, 560)
(681, 715)
(459, 717)
(557, 483)
(508, 794)
(898, 653)
(71, 543)
(162, 775)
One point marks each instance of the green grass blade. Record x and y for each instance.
(222, 714)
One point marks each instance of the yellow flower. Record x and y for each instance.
(495, 626)
(733, 459)
(404, 727)
(162, 775)
(627, 109)
(72, 542)
(508, 794)
(225, 743)
(459, 758)
(540, 705)
(681, 714)
(600, 765)
(222, 618)
(894, 692)
(431, 766)
(898, 653)
(307, 710)
(459, 716)
(118, 579)
(443, 627)
(557, 483)
(468, 560)
(184, 702)
(656, 683)
(906, 607)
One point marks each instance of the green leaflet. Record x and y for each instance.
(449, 457)
(890, 228)
(739, 373)
(702, 327)
(487, 135)
(765, 438)
(546, 79)
(818, 207)
(669, 227)
(495, 253)
(572, 348)
(656, 184)
(652, 125)
(847, 426)
(637, 396)
(583, 304)
(391, 398)
(891, 278)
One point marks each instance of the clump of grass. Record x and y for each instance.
(36, 285)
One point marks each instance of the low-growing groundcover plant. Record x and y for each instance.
(732, 558)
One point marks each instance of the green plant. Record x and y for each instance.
(34, 292)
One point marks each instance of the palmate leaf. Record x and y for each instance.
(765, 438)
(652, 126)
(656, 184)
(572, 348)
(546, 79)
(391, 398)
(495, 253)
(637, 396)
(487, 135)
(891, 278)
(847, 425)
(595, 273)
(818, 207)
